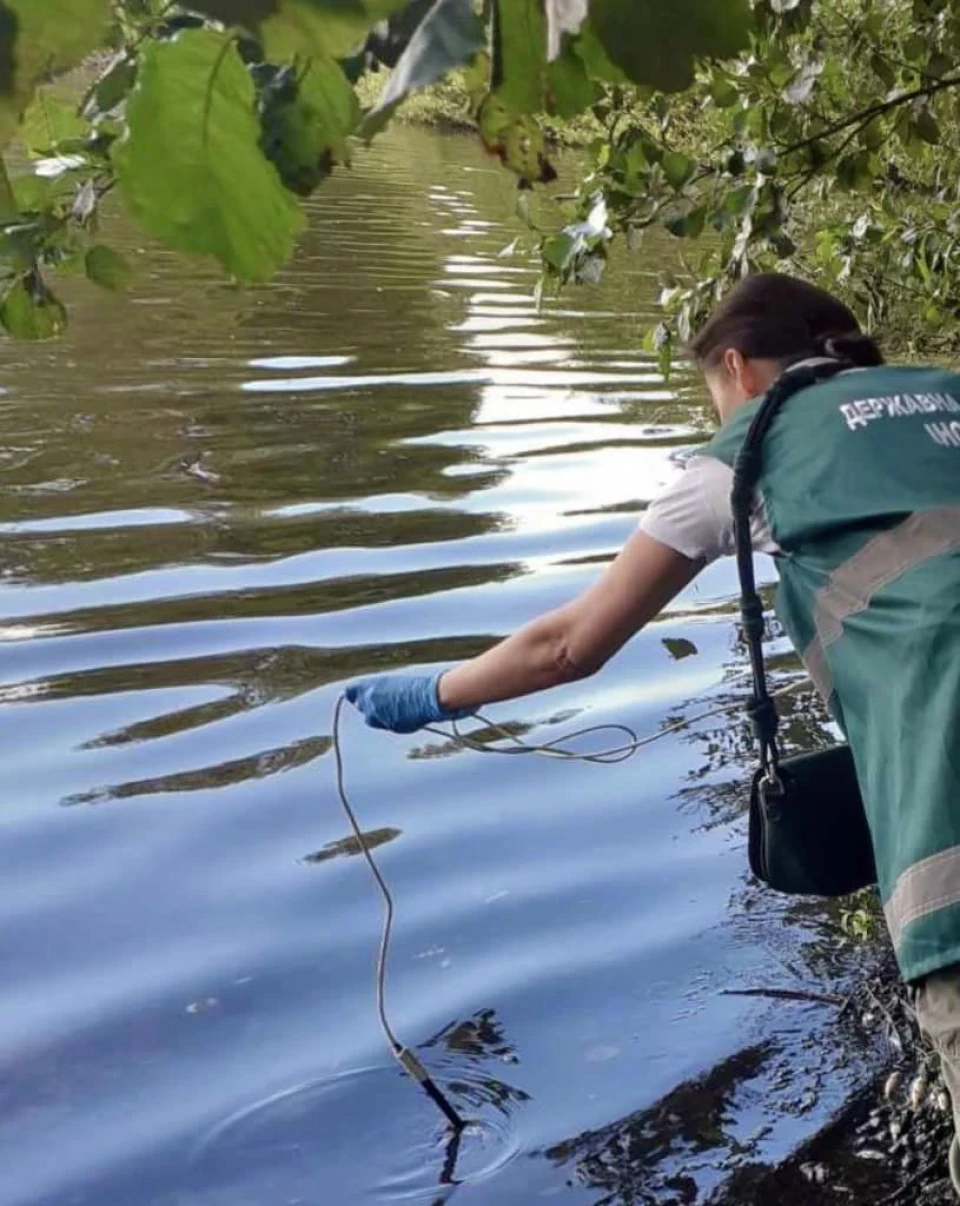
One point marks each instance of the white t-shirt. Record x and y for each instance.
(694, 516)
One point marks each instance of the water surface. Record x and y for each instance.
(217, 507)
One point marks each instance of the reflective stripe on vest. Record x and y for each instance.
(924, 888)
(852, 585)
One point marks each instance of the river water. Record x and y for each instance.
(217, 507)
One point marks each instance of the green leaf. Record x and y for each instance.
(915, 47)
(874, 135)
(558, 251)
(520, 55)
(723, 92)
(739, 200)
(31, 192)
(853, 171)
(305, 28)
(678, 168)
(656, 43)
(107, 268)
(939, 65)
(663, 341)
(306, 125)
(48, 122)
(686, 224)
(20, 246)
(524, 152)
(779, 72)
(246, 13)
(518, 141)
(563, 17)
(783, 245)
(113, 87)
(30, 311)
(450, 35)
(191, 168)
(570, 89)
(599, 66)
(883, 70)
(323, 28)
(40, 39)
(927, 127)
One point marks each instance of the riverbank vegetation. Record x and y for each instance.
(819, 137)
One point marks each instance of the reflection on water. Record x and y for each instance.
(351, 847)
(218, 506)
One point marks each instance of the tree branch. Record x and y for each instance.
(867, 115)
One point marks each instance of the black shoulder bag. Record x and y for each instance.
(808, 828)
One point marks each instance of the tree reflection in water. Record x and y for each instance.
(650, 1158)
(465, 1047)
(349, 846)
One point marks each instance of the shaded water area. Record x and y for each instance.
(217, 507)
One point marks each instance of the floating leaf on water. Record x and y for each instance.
(678, 648)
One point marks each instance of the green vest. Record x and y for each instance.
(861, 488)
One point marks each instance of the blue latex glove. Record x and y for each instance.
(401, 703)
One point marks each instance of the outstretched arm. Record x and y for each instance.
(577, 639)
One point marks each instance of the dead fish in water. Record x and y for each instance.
(892, 1086)
(918, 1091)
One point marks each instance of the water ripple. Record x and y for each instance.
(381, 461)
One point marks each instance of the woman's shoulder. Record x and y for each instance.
(694, 516)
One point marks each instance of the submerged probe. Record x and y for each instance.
(407, 1059)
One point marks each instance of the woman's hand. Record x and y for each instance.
(401, 703)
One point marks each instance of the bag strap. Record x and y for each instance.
(746, 474)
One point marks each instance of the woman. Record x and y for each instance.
(859, 502)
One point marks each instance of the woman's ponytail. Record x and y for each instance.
(852, 347)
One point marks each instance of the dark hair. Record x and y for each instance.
(770, 316)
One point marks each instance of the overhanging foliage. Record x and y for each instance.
(759, 131)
